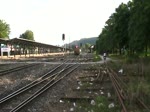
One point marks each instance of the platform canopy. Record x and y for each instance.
(28, 43)
(20, 41)
(3, 41)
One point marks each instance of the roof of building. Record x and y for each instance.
(25, 42)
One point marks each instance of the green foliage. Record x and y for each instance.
(101, 105)
(146, 60)
(132, 58)
(85, 47)
(121, 25)
(4, 29)
(138, 79)
(117, 57)
(128, 28)
(116, 66)
(96, 58)
(27, 35)
(115, 34)
(136, 88)
(139, 29)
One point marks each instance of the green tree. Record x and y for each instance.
(121, 26)
(111, 41)
(4, 29)
(128, 27)
(85, 47)
(139, 29)
(115, 33)
(27, 35)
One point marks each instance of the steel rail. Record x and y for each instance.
(121, 91)
(137, 99)
(30, 85)
(42, 90)
(118, 94)
(115, 77)
(118, 77)
(15, 69)
(3, 65)
(142, 103)
(125, 85)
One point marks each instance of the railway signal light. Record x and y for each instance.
(63, 37)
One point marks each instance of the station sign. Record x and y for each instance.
(5, 49)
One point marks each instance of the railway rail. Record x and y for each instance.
(16, 69)
(2, 65)
(43, 83)
(120, 89)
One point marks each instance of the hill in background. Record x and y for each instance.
(83, 41)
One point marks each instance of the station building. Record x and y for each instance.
(26, 48)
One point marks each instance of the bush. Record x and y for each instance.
(118, 57)
(132, 59)
(96, 58)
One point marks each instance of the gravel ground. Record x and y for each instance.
(12, 81)
(10, 66)
(48, 101)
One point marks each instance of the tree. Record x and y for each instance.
(121, 26)
(86, 47)
(4, 29)
(27, 35)
(139, 29)
(128, 27)
(115, 33)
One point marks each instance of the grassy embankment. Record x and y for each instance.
(137, 72)
(96, 57)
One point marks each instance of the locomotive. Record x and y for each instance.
(76, 50)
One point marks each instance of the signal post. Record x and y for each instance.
(63, 38)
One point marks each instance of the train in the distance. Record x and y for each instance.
(77, 50)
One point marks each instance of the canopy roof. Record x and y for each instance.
(25, 42)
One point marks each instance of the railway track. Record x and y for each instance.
(16, 69)
(42, 84)
(120, 89)
(2, 65)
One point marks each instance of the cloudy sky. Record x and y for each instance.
(49, 19)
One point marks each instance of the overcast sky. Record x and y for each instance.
(49, 19)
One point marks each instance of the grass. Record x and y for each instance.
(137, 71)
(96, 57)
(130, 58)
(118, 57)
(100, 105)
